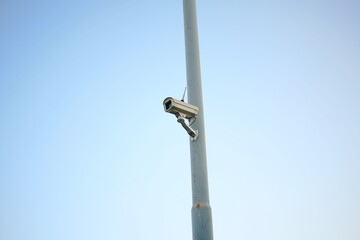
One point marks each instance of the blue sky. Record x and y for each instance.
(87, 152)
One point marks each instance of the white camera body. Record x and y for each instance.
(180, 108)
(183, 110)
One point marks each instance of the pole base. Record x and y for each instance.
(202, 221)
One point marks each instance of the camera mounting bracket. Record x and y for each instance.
(193, 133)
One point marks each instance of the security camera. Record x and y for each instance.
(179, 107)
(182, 110)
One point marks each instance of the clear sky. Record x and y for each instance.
(87, 152)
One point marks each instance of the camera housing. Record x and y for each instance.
(178, 107)
(183, 111)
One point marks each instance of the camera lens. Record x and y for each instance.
(168, 105)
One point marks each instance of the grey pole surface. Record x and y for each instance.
(201, 210)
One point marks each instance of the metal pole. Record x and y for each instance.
(201, 210)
